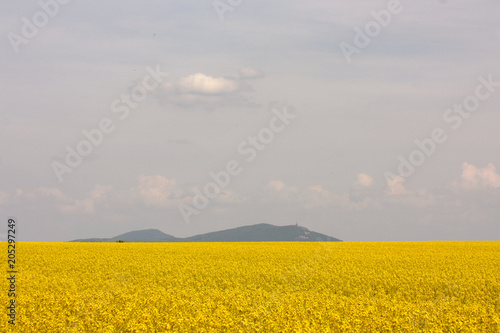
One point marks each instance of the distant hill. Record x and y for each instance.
(147, 235)
(253, 233)
(261, 233)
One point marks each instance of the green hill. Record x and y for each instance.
(253, 233)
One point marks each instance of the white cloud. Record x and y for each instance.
(250, 73)
(277, 190)
(200, 83)
(276, 185)
(44, 197)
(365, 180)
(98, 196)
(317, 196)
(476, 178)
(156, 191)
(206, 92)
(395, 186)
(153, 191)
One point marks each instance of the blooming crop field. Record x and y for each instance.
(257, 287)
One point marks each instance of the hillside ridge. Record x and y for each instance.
(261, 232)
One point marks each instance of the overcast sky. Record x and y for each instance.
(364, 120)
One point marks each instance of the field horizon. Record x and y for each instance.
(259, 286)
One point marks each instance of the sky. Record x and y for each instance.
(363, 120)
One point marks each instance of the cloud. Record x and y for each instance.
(395, 186)
(156, 191)
(365, 180)
(475, 178)
(41, 197)
(99, 195)
(316, 196)
(249, 73)
(200, 83)
(206, 92)
(276, 185)
(44, 197)
(277, 190)
(313, 197)
(152, 191)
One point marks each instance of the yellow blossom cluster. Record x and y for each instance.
(256, 287)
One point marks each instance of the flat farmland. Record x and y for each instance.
(257, 287)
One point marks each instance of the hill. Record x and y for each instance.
(253, 233)
(261, 233)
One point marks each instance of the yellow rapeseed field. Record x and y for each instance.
(257, 287)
